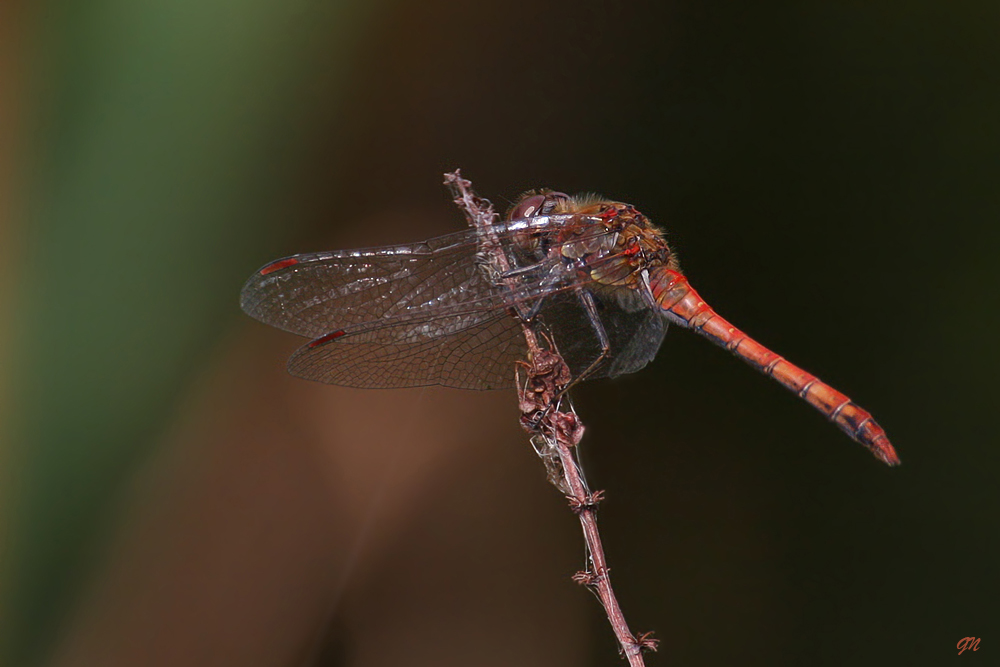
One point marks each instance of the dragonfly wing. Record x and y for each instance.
(467, 351)
(633, 331)
(313, 294)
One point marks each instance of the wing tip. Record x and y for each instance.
(248, 294)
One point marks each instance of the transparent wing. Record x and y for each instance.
(314, 294)
(472, 351)
(634, 332)
(428, 313)
(477, 349)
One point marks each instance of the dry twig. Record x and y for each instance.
(555, 432)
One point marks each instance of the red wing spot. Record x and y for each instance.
(280, 264)
(322, 340)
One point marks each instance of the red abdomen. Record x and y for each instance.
(685, 307)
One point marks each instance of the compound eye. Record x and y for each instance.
(541, 204)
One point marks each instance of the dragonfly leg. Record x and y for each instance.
(529, 314)
(587, 299)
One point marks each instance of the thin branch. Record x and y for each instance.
(555, 432)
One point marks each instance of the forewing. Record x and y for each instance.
(313, 294)
(469, 351)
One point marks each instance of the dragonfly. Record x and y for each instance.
(596, 275)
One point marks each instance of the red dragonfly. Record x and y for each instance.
(594, 274)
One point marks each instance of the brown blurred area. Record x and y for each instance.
(283, 525)
(172, 496)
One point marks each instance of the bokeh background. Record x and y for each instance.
(827, 171)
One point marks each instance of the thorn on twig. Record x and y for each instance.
(647, 642)
(589, 577)
(586, 504)
(644, 642)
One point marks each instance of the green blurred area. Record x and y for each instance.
(166, 134)
(827, 172)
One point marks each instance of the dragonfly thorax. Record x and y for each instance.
(612, 240)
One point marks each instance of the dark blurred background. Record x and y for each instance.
(827, 171)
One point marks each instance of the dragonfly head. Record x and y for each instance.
(536, 202)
